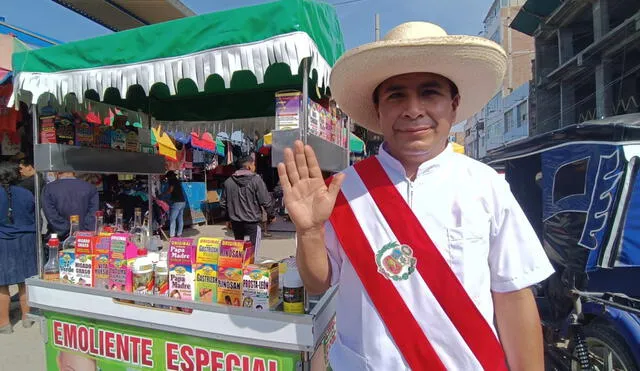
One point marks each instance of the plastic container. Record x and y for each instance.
(143, 276)
(52, 267)
(161, 275)
(292, 289)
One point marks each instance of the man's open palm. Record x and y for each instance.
(308, 200)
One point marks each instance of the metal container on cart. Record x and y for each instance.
(211, 67)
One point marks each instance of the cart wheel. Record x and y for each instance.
(607, 350)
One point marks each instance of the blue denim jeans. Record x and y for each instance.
(176, 214)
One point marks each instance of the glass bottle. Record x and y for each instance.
(52, 267)
(99, 222)
(139, 232)
(119, 226)
(70, 242)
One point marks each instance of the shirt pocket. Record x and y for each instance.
(468, 256)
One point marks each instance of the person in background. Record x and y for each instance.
(28, 172)
(243, 198)
(178, 203)
(17, 243)
(67, 196)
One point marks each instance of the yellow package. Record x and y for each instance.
(208, 251)
(206, 283)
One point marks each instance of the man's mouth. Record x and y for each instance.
(415, 129)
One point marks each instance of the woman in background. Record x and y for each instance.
(17, 242)
(178, 203)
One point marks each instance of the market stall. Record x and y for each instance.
(214, 67)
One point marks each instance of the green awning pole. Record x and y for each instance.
(305, 98)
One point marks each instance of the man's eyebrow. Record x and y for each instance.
(400, 87)
(394, 88)
(431, 84)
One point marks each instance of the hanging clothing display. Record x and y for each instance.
(165, 144)
(8, 116)
(204, 142)
(8, 147)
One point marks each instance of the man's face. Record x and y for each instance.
(416, 112)
(26, 170)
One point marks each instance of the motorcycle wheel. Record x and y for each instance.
(607, 350)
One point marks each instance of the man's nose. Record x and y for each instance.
(413, 108)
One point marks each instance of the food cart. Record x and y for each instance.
(211, 67)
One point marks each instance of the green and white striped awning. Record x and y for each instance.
(253, 49)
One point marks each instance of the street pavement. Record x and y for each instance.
(24, 349)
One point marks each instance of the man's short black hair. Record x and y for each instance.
(27, 161)
(452, 87)
(244, 160)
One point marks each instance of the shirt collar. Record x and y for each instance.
(391, 163)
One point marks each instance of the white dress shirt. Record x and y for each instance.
(477, 225)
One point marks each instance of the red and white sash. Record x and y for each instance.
(442, 329)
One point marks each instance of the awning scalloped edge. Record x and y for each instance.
(256, 57)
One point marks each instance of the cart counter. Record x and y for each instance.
(106, 330)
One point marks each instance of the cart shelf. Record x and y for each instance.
(331, 157)
(279, 330)
(60, 157)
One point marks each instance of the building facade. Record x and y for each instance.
(587, 62)
(499, 121)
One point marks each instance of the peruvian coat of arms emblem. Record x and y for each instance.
(395, 261)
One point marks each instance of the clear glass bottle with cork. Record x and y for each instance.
(139, 232)
(119, 226)
(99, 222)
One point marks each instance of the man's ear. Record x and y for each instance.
(455, 102)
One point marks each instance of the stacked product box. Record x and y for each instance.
(102, 251)
(234, 256)
(182, 253)
(206, 269)
(260, 286)
(122, 254)
(85, 259)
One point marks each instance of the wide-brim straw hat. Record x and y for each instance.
(474, 64)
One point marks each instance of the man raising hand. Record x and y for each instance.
(433, 255)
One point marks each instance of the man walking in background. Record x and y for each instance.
(242, 199)
(68, 196)
(28, 172)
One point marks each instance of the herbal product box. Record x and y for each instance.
(182, 253)
(260, 286)
(208, 250)
(67, 261)
(85, 259)
(229, 286)
(102, 243)
(206, 290)
(122, 254)
(235, 254)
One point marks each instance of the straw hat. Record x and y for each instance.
(476, 65)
